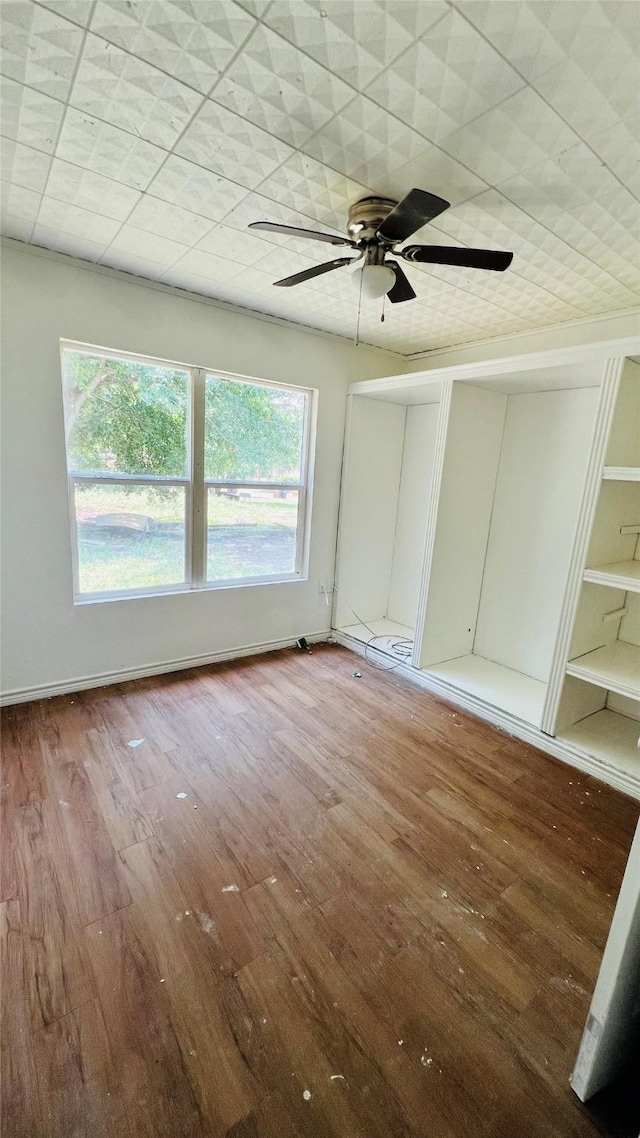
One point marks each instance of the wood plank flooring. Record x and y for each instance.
(271, 899)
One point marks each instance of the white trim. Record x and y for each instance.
(500, 719)
(502, 365)
(123, 675)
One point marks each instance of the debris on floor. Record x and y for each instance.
(135, 742)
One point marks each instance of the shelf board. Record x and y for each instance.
(622, 473)
(607, 736)
(502, 687)
(615, 667)
(620, 575)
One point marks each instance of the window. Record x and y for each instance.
(182, 478)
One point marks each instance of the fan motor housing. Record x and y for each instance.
(366, 215)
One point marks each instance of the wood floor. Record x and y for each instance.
(275, 900)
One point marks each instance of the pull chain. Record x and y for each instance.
(384, 297)
(357, 340)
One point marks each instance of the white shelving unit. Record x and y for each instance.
(481, 517)
(599, 704)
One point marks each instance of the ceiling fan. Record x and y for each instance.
(376, 226)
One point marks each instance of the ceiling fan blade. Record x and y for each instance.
(316, 271)
(451, 255)
(401, 290)
(291, 231)
(414, 211)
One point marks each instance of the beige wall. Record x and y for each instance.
(47, 641)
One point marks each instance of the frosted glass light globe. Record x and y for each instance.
(376, 280)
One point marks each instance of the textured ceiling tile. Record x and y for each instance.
(91, 191)
(435, 171)
(313, 189)
(450, 77)
(537, 36)
(573, 178)
(604, 228)
(18, 211)
(169, 220)
(365, 142)
(196, 189)
(78, 11)
(278, 88)
(132, 263)
(234, 245)
(597, 92)
(131, 94)
(30, 117)
(541, 258)
(191, 40)
(354, 41)
(257, 8)
(231, 146)
(522, 132)
(197, 263)
(620, 149)
(105, 149)
(70, 243)
(38, 47)
(152, 246)
(77, 222)
(24, 166)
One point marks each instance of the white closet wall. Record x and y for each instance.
(472, 452)
(371, 481)
(413, 500)
(542, 466)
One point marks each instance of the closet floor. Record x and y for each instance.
(274, 899)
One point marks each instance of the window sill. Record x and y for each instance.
(181, 590)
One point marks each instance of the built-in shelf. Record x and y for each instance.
(512, 691)
(620, 575)
(607, 736)
(622, 473)
(615, 667)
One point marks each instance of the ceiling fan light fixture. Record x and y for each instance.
(376, 280)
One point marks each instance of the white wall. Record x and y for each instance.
(544, 454)
(47, 641)
(411, 524)
(371, 480)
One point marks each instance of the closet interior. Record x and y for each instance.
(489, 544)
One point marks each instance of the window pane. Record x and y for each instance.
(252, 433)
(251, 533)
(129, 537)
(123, 417)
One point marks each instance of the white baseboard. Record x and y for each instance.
(510, 724)
(83, 683)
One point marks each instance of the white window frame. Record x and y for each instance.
(196, 486)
